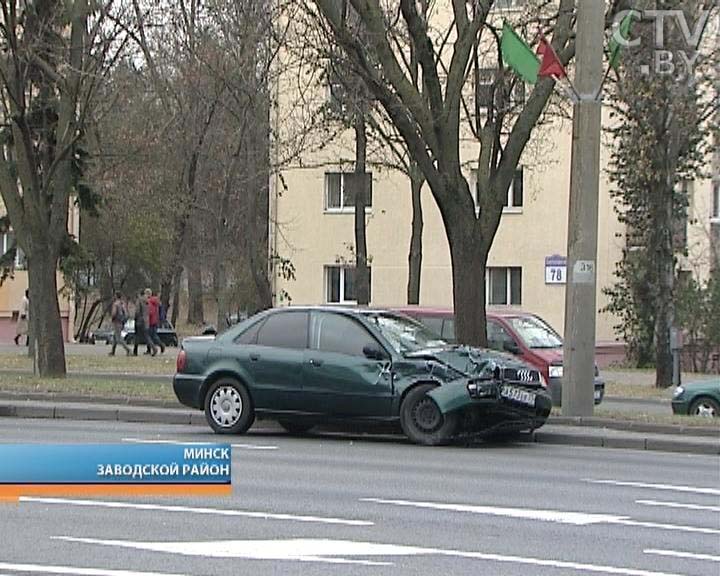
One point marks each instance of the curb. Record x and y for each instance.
(686, 445)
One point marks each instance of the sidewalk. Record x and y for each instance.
(593, 432)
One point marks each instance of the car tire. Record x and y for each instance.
(421, 419)
(295, 427)
(705, 406)
(228, 407)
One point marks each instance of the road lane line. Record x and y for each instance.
(688, 555)
(76, 571)
(345, 551)
(558, 516)
(176, 442)
(576, 518)
(673, 527)
(683, 505)
(670, 487)
(203, 511)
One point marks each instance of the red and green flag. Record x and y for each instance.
(518, 55)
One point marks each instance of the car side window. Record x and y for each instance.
(284, 330)
(249, 336)
(339, 334)
(433, 323)
(497, 336)
(448, 330)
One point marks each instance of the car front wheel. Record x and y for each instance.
(228, 407)
(422, 421)
(705, 407)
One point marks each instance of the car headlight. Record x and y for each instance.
(556, 371)
(678, 392)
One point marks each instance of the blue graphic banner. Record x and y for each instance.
(115, 464)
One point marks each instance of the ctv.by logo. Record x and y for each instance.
(677, 62)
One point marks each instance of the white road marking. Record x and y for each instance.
(325, 550)
(76, 571)
(678, 505)
(175, 442)
(673, 527)
(576, 518)
(558, 516)
(688, 555)
(188, 510)
(670, 487)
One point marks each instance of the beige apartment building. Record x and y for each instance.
(313, 226)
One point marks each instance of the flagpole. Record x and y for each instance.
(602, 84)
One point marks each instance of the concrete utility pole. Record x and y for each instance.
(580, 296)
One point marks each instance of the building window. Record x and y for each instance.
(340, 284)
(338, 196)
(7, 242)
(503, 286)
(513, 201)
(716, 201)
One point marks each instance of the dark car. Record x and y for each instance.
(303, 366)
(524, 335)
(166, 333)
(103, 334)
(698, 399)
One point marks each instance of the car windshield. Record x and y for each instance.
(405, 335)
(535, 333)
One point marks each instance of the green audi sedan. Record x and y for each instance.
(303, 366)
(698, 399)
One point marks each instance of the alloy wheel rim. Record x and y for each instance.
(706, 410)
(226, 406)
(426, 416)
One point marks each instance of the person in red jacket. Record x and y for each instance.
(153, 304)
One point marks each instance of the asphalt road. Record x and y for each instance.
(345, 505)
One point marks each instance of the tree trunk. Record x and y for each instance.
(46, 329)
(220, 288)
(665, 317)
(196, 311)
(415, 254)
(468, 267)
(177, 278)
(361, 185)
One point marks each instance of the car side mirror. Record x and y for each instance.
(511, 347)
(373, 352)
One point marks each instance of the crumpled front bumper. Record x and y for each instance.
(489, 410)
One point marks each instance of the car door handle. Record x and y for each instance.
(254, 357)
(315, 362)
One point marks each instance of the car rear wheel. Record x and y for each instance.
(228, 407)
(422, 421)
(705, 407)
(294, 427)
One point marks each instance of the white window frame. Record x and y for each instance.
(715, 203)
(343, 208)
(341, 290)
(510, 208)
(508, 286)
(6, 246)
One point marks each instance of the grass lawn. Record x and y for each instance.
(119, 390)
(640, 417)
(160, 364)
(637, 391)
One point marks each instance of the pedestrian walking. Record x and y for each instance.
(141, 325)
(118, 317)
(23, 318)
(153, 303)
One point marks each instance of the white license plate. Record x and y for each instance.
(518, 395)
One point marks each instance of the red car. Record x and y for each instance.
(519, 333)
